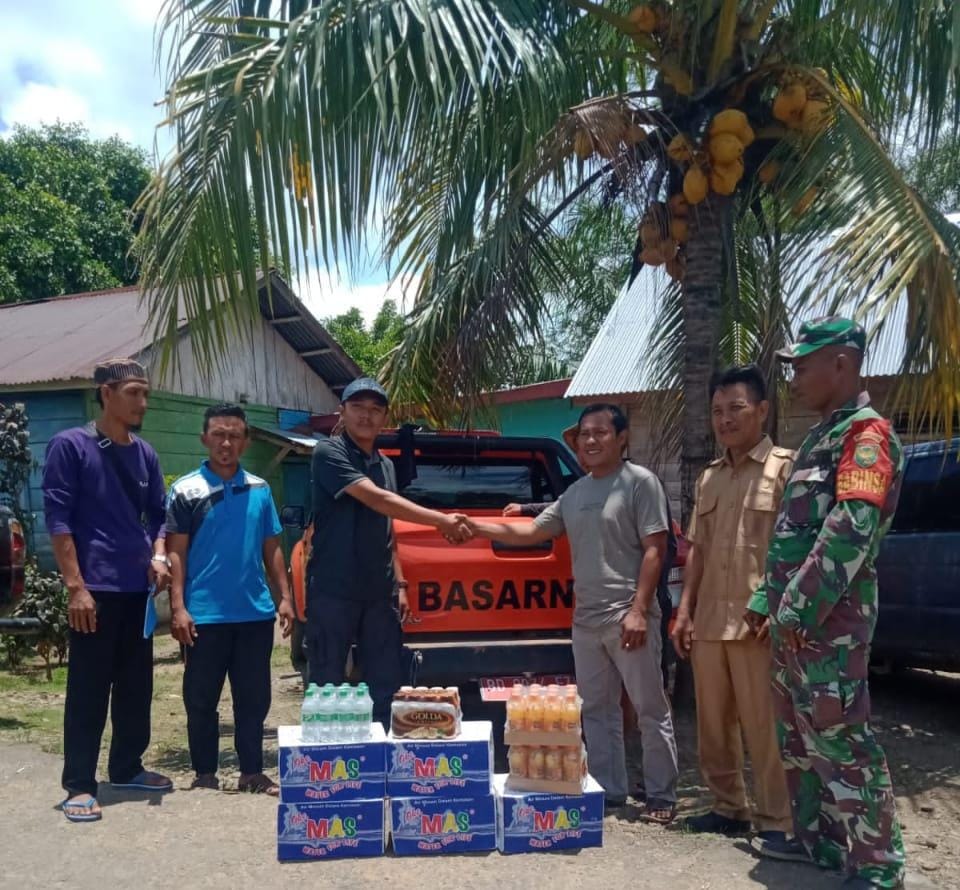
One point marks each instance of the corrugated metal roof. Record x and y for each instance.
(616, 362)
(62, 339)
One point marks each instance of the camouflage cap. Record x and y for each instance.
(831, 330)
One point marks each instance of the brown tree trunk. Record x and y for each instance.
(702, 288)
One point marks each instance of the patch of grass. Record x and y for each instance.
(31, 678)
(281, 656)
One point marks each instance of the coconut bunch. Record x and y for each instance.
(717, 165)
(802, 105)
(664, 230)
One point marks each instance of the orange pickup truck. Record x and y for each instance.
(483, 611)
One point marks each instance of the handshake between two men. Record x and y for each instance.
(460, 528)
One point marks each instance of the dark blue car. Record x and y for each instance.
(919, 565)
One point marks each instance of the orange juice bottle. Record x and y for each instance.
(535, 712)
(518, 756)
(571, 713)
(553, 764)
(516, 710)
(572, 759)
(553, 713)
(536, 763)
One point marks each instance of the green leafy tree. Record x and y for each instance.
(463, 131)
(370, 345)
(935, 173)
(66, 223)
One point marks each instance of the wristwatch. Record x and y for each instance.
(400, 585)
(164, 559)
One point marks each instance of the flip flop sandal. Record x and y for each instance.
(139, 783)
(87, 805)
(259, 785)
(659, 812)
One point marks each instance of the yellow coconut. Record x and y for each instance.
(679, 230)
(695, 185)
(724, 177)
(678, 206)
(583, 145)
(734, 122)
(815, 117)
(652, 256)
(788, 104)
(680, 149)
(768, 172)
(806, 199)
(643, 18)
(725, 148)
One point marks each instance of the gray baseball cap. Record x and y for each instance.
(364, 386)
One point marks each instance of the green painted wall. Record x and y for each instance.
(542, 417)
(173, 425)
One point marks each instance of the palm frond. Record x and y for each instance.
(308, 132)
(887, 245)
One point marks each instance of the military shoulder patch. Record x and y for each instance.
(865, 472)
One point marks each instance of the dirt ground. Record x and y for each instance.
(225, 839)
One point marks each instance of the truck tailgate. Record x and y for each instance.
(483, 586)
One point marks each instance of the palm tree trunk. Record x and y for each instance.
(702, 287)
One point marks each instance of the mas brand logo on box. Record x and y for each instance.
(314, 832)
(440, 825)
(559, 821)
(314, 773)
(448, 767)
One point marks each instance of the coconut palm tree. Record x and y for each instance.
(454, 135)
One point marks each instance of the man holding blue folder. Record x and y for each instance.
(103, 502)
(222, 528)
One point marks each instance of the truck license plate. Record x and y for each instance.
(499, 688)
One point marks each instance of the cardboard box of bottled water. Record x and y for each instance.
(534, 822)
(316, 772)
(432, 825)
(335, 830)
(459, 767)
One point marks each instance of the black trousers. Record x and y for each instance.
(240, 651)
(113, 665)
(332, 628)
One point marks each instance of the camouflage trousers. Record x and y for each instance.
(837, 775)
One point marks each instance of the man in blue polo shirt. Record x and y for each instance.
(222, 528)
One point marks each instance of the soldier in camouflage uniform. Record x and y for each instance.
(820, 592)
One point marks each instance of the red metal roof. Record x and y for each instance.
(63, 338)
(551, 389)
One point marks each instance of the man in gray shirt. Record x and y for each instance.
(616, 520)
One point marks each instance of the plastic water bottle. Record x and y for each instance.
(344, 712)
(365, 710)
(308, 710)
(325, 715)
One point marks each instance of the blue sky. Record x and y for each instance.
(92, 61)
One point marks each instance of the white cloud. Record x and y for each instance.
(90, 62)
(327, 295)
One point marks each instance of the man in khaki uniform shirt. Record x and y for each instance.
(737, 498)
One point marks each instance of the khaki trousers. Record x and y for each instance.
(732, 679)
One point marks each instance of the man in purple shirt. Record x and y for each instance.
(104, 505)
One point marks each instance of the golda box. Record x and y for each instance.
(314, 772)
(532, 822)
(425, 825)
(460, 767)
(334, 830)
